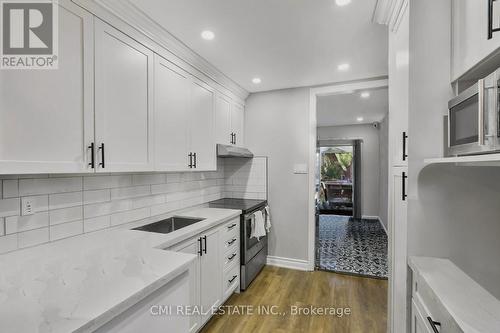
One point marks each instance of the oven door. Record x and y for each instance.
(473, 119)
(251, 246)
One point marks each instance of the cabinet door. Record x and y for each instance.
(211, 274)
(193, 247)
(171, 112)
(46, 116)
(238, 123)
(397, 247)
(418, 321)
(123, 92)
(470, 43)
(202, 126)
(223, 128)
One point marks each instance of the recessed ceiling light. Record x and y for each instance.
(342, 2)
(365, 94)
(256, 80)
(360, 119)
(343, 67)
(207, 35)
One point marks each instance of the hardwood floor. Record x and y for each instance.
(285, 288)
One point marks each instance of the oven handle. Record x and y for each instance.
(480, 123)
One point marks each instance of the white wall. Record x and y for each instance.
(453, 212)
(370, 161)
(277, 126)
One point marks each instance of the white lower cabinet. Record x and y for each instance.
(147, 316)
(216, 271)
(419, 323)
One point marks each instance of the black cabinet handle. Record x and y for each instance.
(231, 226)
(92, 155)
(405, 155)
(190, 165)
(194, 156)
(434, 324)
(231, 241)
(403, 186)
(234, 138)
(232, 256)
(101, 148)
(232, 279)
(205, 248)
(491, 30)
(200, 251)
(231, 140)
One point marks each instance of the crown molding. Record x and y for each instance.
(390, 13)
(121, 13)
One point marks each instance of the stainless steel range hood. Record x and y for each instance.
(233, 151)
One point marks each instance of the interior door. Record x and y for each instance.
(211, 274)
(223, 120)
(202, 127)
(238, 123)
(123, 91)
(46, 116)
(171, 112)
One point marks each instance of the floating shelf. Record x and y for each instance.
(473, 160)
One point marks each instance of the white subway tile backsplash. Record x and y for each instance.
(129, 216)
(10, 188)
(65, 230)
(149, 179)
(15, 224)
(32, 237)
(97, 223)
(68, 205)
(49, 185)
(64, 215)
(130, 192)
(8, 243)
(65, 200)
(10, 207)
(102, 182)
(96, 196)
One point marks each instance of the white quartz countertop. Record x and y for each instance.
(78, 284)
(473, 308)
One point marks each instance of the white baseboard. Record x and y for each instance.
(301, 265)
(375, 218)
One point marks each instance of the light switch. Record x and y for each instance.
(300, 169)
(27, 206)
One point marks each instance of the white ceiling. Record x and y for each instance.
(336, 110)
(287, 43)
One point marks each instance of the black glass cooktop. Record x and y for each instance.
(245, 205)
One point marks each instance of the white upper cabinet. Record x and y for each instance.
(223, 120)
(470, 43)
(123, 96)
(171, 114)
(238, 124)
(229, 121)
(184, 113)
(46, 116)
(202, 126)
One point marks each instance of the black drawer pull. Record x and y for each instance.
(232, 279)
(200, 251)
(231, 226)
(434, 324)
(101, 148)
(231, 241)
(232, 256)
(205, 239)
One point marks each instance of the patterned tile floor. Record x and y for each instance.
(352, 246)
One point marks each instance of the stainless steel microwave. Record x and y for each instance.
(473, 119)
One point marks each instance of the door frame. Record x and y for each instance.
(314, 93)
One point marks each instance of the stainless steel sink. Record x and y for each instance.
(169, 225)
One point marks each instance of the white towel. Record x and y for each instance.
(268, 220)
(259, 229)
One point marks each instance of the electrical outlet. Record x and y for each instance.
(27, 206)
